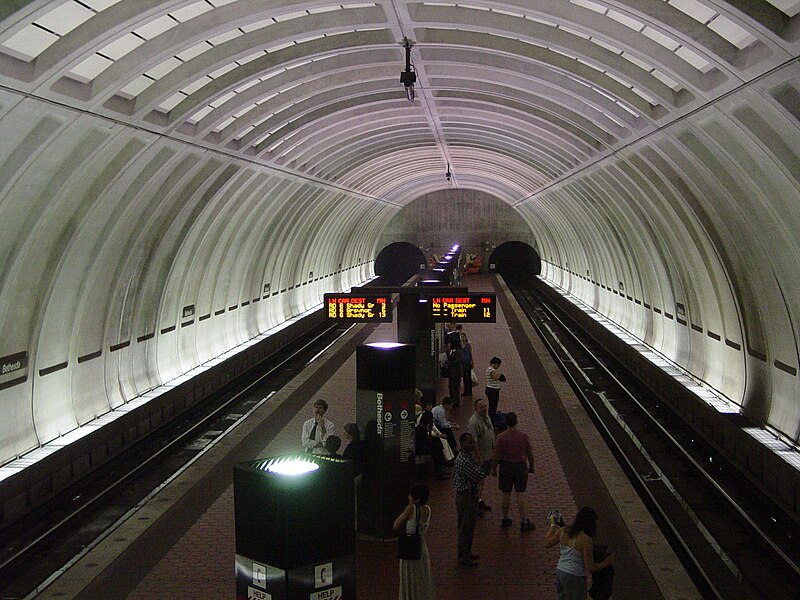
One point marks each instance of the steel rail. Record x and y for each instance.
(733, 504)
(171, 446)
(629, 467)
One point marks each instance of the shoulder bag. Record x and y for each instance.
(409, 545)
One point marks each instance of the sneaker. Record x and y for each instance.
(526, 525)
(505, 522)
(483, 506)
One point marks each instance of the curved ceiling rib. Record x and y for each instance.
(313, 87)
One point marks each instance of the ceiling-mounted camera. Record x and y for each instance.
(408, 77)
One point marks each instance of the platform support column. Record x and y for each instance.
(385, 383)
(415, 326)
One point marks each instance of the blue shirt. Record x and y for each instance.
(440, 417)
(466, 353)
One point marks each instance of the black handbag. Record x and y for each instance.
(444, 369)
(409, 545)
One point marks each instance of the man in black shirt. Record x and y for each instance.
(455, 373)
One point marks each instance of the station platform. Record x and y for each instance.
(179, 544)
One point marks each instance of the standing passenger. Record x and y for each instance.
(416, 579)
(467, 478)
(494, 379)
(332, 445)
(511, 449)
(317, 429)
(354, 451)
(453, 335)
(482, 432)
(576, 545)
(466, 363)
(428, 439)
(455, 373)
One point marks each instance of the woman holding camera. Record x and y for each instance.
(577, 547)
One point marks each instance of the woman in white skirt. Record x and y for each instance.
(416, 580)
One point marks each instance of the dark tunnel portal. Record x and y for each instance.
(399, 261)
(516, 261)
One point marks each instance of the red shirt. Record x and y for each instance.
(512, 446)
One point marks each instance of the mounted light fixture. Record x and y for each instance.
(408, 77)
(448, 175)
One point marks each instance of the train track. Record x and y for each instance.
(41, 546)
(735, 543)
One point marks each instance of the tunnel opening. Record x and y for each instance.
(516, 261)
(399, 261)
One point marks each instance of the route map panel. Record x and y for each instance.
(358, 308)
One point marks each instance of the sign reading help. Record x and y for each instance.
(331, 594)
(254, 594)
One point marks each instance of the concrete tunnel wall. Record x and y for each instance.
(121, 206)
(107, 234)
(688, 239)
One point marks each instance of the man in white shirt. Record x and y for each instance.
(441, 420)
(317, 429)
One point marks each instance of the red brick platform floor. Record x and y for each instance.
(181, 544)
(512, 564)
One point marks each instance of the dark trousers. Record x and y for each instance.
(493, 396)
(439, 462)
(467, 380)
(451, 438)
(454, 382)
(467, 510)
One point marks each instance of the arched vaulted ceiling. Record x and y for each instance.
(512, 95)
(234, 159)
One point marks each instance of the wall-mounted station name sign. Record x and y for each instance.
(359, 307)
(13, 369)
(467, 308)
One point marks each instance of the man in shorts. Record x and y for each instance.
(513, 453)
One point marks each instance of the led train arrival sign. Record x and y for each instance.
(467, 308)
(359, 308)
